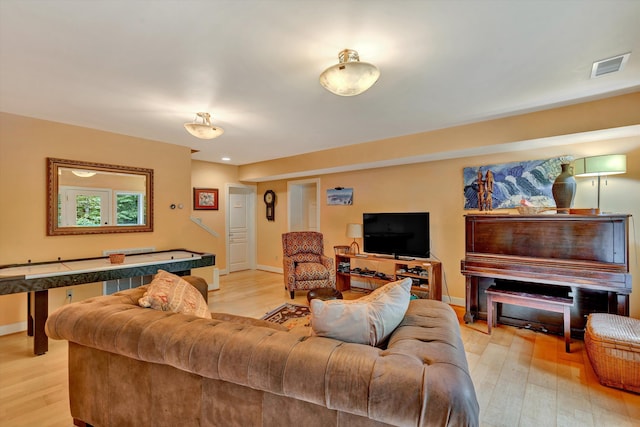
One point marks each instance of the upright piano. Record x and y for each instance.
(585, 257)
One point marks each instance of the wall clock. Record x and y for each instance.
(270, 201)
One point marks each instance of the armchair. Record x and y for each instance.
(304, 262)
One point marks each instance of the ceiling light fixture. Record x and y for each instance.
(349, 77)
(203, 130)
(83, 173)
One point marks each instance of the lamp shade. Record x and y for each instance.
(204, 130)
(350, 76)
(354, 231)
(610, 164)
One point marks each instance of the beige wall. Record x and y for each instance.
(436, 187)
(25, 144)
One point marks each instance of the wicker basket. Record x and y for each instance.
(116, 258)
(613, 345)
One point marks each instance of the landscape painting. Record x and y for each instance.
(512, 182)
(340, 196)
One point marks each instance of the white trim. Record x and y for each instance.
(303, 182)
(12, 328)
(454, 301)
(270, 269)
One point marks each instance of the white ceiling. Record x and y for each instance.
(143, 68)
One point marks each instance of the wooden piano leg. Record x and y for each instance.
(618, 304)
(468, 316)
(567, 328)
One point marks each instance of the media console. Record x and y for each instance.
(425, 274)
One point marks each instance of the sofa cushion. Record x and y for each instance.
(367, 320)
(168, 292)
(305, 257)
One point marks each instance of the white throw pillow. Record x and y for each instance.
(367, 320)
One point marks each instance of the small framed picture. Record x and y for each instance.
(340, 196)
(205, 199)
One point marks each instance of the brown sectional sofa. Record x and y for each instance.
(133, 366)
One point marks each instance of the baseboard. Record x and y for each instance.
(453, 300)
(13, 328)
(270, 269)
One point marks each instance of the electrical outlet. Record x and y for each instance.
(70, 294)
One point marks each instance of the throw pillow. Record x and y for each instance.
(368, 320)
(168, 292)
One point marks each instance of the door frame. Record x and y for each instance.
(291, 198)
(251, 237)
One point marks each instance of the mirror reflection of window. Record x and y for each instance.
(130, 208)
(84, 207)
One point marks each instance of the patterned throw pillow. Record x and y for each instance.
(168, 292)
(367, 320)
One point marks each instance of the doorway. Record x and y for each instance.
(241, 219)
(304, 205)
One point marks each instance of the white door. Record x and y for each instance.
(241, 246)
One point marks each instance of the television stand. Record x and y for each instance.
(425, 274)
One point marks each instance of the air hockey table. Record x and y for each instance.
(37, 278)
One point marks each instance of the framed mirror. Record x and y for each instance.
(96, 198)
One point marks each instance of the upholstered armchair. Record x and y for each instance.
(305, 265)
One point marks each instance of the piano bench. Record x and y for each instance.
(538, 301)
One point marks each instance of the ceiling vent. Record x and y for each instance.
(609, 65)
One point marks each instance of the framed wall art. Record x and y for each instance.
(205, 199)
(504, 186)
(340, 196)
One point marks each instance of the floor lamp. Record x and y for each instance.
(611, 164)
(354, 231)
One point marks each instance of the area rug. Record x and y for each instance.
(289, 315)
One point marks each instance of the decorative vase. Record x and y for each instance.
(564, 189)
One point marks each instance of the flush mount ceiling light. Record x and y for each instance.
(350, 76)
(203, 130)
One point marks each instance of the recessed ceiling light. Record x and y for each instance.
(226, 159)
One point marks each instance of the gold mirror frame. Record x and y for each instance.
(53, 170)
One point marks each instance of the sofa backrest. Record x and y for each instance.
(422, 373)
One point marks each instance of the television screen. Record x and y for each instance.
(399, 234)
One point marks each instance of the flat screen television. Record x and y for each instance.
(400, 234)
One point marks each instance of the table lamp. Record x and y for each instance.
(354, 231)
(611, 164)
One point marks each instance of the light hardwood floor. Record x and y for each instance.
(522, 378)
